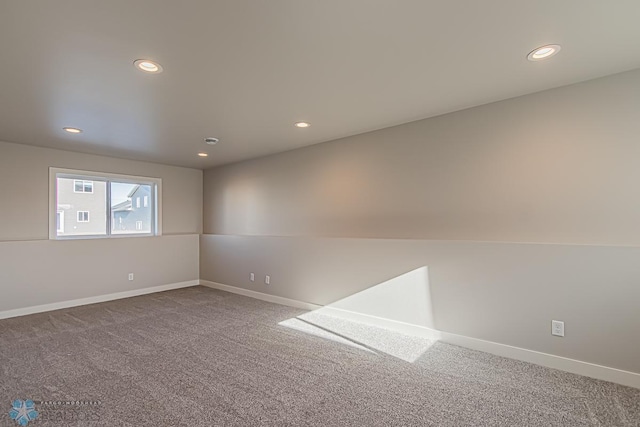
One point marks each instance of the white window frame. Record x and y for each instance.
(82, 220)
(84, 182)
(156, 201)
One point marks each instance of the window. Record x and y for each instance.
(60, 221)
(83, 216)
(80, 186)
(104, 205)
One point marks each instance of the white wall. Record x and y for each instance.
(40, 272)
(500, 292)
(24, 189)
(558, 166)
(553, 173)
(35, 270)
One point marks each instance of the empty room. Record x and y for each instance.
(319, 213)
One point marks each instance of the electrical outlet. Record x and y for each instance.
(252, 277)
(130, 276)
(267, 280)
(557, 328)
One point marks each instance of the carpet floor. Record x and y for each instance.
(202, 357)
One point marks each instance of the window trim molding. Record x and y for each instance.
(101, 176)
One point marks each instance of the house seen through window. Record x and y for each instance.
(103, 205)
(127, 217)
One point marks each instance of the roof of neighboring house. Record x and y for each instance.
(133, 190)
(122, 206)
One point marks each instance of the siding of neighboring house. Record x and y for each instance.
(71, 202)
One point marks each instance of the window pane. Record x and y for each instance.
(74, 223)
(60, 221)
(127, 215)
(83, 216)
(101, 205)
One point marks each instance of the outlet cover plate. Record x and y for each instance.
(557, 328)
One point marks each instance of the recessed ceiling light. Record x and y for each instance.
(211, 141)
(72, 130)
(543, 52)
(202, 154)
(148, 66)
(302, 125)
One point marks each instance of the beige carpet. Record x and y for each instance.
(201, 357)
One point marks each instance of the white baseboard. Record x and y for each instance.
(93, 300)
(630, 379)
(574, 366)
(261, 296)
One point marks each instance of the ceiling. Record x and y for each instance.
(245, 70)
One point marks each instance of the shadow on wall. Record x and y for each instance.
(362, 320)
